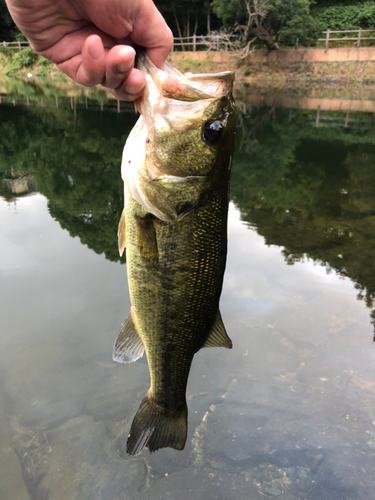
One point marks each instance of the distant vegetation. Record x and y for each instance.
(269, 23)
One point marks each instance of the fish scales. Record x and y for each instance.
(176, 168)
(171, 312)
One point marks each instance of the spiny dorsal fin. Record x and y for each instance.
(121, 233)
(128, 346)
(218, 337)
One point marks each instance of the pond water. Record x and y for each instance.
(289, 411)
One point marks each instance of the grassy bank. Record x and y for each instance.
(262, 76)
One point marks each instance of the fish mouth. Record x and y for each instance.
(172, 85)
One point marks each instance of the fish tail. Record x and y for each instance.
(154, 427)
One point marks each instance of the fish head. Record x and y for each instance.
(186, 129)
(190, 120)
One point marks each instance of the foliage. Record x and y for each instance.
(22, 59)
(346, 17)
(270, 21)
(6, 51)
(8, 29)
(188, 17)
(297, 22)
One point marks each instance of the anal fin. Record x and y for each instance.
(128, 346)
(218, 336)
(121, 233)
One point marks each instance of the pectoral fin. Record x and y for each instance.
(121, 233)
(146, 240)
(218, 337)
(174, 197)
(128, 346)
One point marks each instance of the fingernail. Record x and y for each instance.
(96, 50)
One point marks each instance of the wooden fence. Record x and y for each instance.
(223, 41)
(214, 41)
(329, 38)
(74, 103)
(15, 45)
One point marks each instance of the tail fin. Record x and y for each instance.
(155, 428)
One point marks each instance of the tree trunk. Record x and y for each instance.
(178, 27)
(208, 17)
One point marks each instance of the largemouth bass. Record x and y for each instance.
(176, 167)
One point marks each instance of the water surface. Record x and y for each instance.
(288, 412)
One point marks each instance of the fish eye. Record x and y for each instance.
(212, 130)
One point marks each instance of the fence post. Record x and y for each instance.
(297, 41)
(194, 42)
(327, 39)
(359, 38)
(317, 117)
(347, 119)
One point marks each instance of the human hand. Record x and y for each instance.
(91, 40)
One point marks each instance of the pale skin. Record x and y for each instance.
(92, 40)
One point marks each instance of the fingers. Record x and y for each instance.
(113, 68)
(89, 67)
(122, 78)
(131, 88)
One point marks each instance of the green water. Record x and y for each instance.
(288, 413)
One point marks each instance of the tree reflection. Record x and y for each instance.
(75, 161)
(311, 190)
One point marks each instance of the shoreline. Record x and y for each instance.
(276, 74)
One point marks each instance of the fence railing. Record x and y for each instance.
(15, 45)
(220, 41)
(65, 102)
(223, 41)
(329, 38)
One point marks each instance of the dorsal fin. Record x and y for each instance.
(128, 346)
(218, 336)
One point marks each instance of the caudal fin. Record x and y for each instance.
(155, 428)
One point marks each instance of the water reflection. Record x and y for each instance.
(288, 413)
(74, 163)
(305, 181)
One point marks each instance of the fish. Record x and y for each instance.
(176, 169)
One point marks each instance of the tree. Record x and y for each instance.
(188, 17)
(8, 29)
(270, 21)
(345, 15)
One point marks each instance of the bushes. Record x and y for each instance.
(346, 17)
(26, 58)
